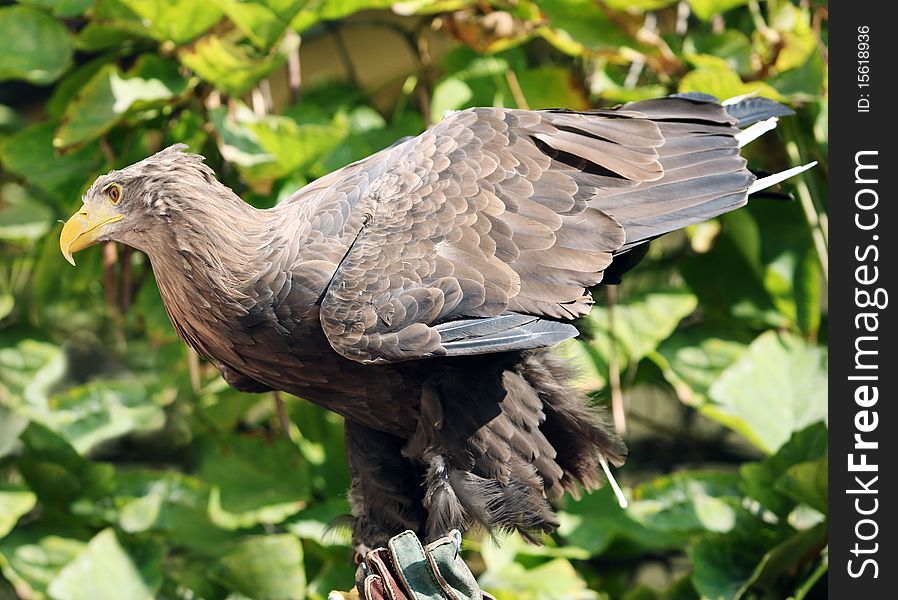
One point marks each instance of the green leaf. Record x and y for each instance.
(110, 95)
(104, 570)
(784, 559)
(550, 87)
(776, 388)
(264, 568)
(232, 68)
(29, 152)
(723, 564)
(688, 501)
(331, 10)
(640, 322)
(721, 81)
(730, 49)
(759, 479)
(22, 217)
(63, 8)
(807, 482)
(554, 580)
(693, 358)
(597, 521)
(638, 5)
(55, 472)
(262, 21)
(577, 26)
(14, 502)
(707, 9)
(34, 46)
(176, 20)
(296, 147)
(32, 555)
(254, 480)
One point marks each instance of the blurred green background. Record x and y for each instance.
(129, 470)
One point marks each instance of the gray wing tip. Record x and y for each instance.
(505, 333)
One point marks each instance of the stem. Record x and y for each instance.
(618, 410)
(515, 86)
(817, 220)
(283, 417)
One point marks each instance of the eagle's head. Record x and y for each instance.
(134, 205)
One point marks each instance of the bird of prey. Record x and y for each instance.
(415, 292)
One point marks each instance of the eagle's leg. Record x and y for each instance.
(386, 493)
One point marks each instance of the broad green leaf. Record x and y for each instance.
(113, 23)
(11, 426)
(63, 8)
(34, 46)
(638, 324)
(550, 87)
(254, 480)
(22, 217)
(105, 571)
(14, 502)
(172, 504)
(32, 555)
(807, 482)
(731, 49)
(721, 81)
(55, 472)
(331, 10)
(316, 523)
(577, 26)
(706, 9)
(688, 501)
(451, 93)
(693, 358)
(724, 563)
(638, 5)
(784, 559)
(262, 21)
(776, 388)
(596, 521)
(554, 580)
(29, 152)
(230, 67)
(176, 20)
(110, 95)
(759, 479)
(296, 147)
(264, 568)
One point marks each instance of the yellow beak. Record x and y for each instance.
(83, 230)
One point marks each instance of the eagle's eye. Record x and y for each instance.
(114, 191)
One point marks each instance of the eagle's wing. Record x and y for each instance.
(484, 233)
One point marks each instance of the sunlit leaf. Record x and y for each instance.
(111, 94)
(22, 217)
(688, 501)
(575, 26)
(777, 387)
(34, 46)
(254, 480)
(63, 8)
(263, 21)
(176, 20)
(265, 568)
(105, 571)
(706, 9)
(14, 502)
(722, 82)
(329, 10)
(230, 67)
(32, 555)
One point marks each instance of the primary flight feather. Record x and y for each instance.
(414, 292)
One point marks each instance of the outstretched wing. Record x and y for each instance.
(484, 233)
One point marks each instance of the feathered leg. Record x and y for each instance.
(386, 493)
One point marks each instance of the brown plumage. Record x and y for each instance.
(413, 292)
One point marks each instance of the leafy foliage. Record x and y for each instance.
(128, 468)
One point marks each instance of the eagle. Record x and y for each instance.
(416, 292)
